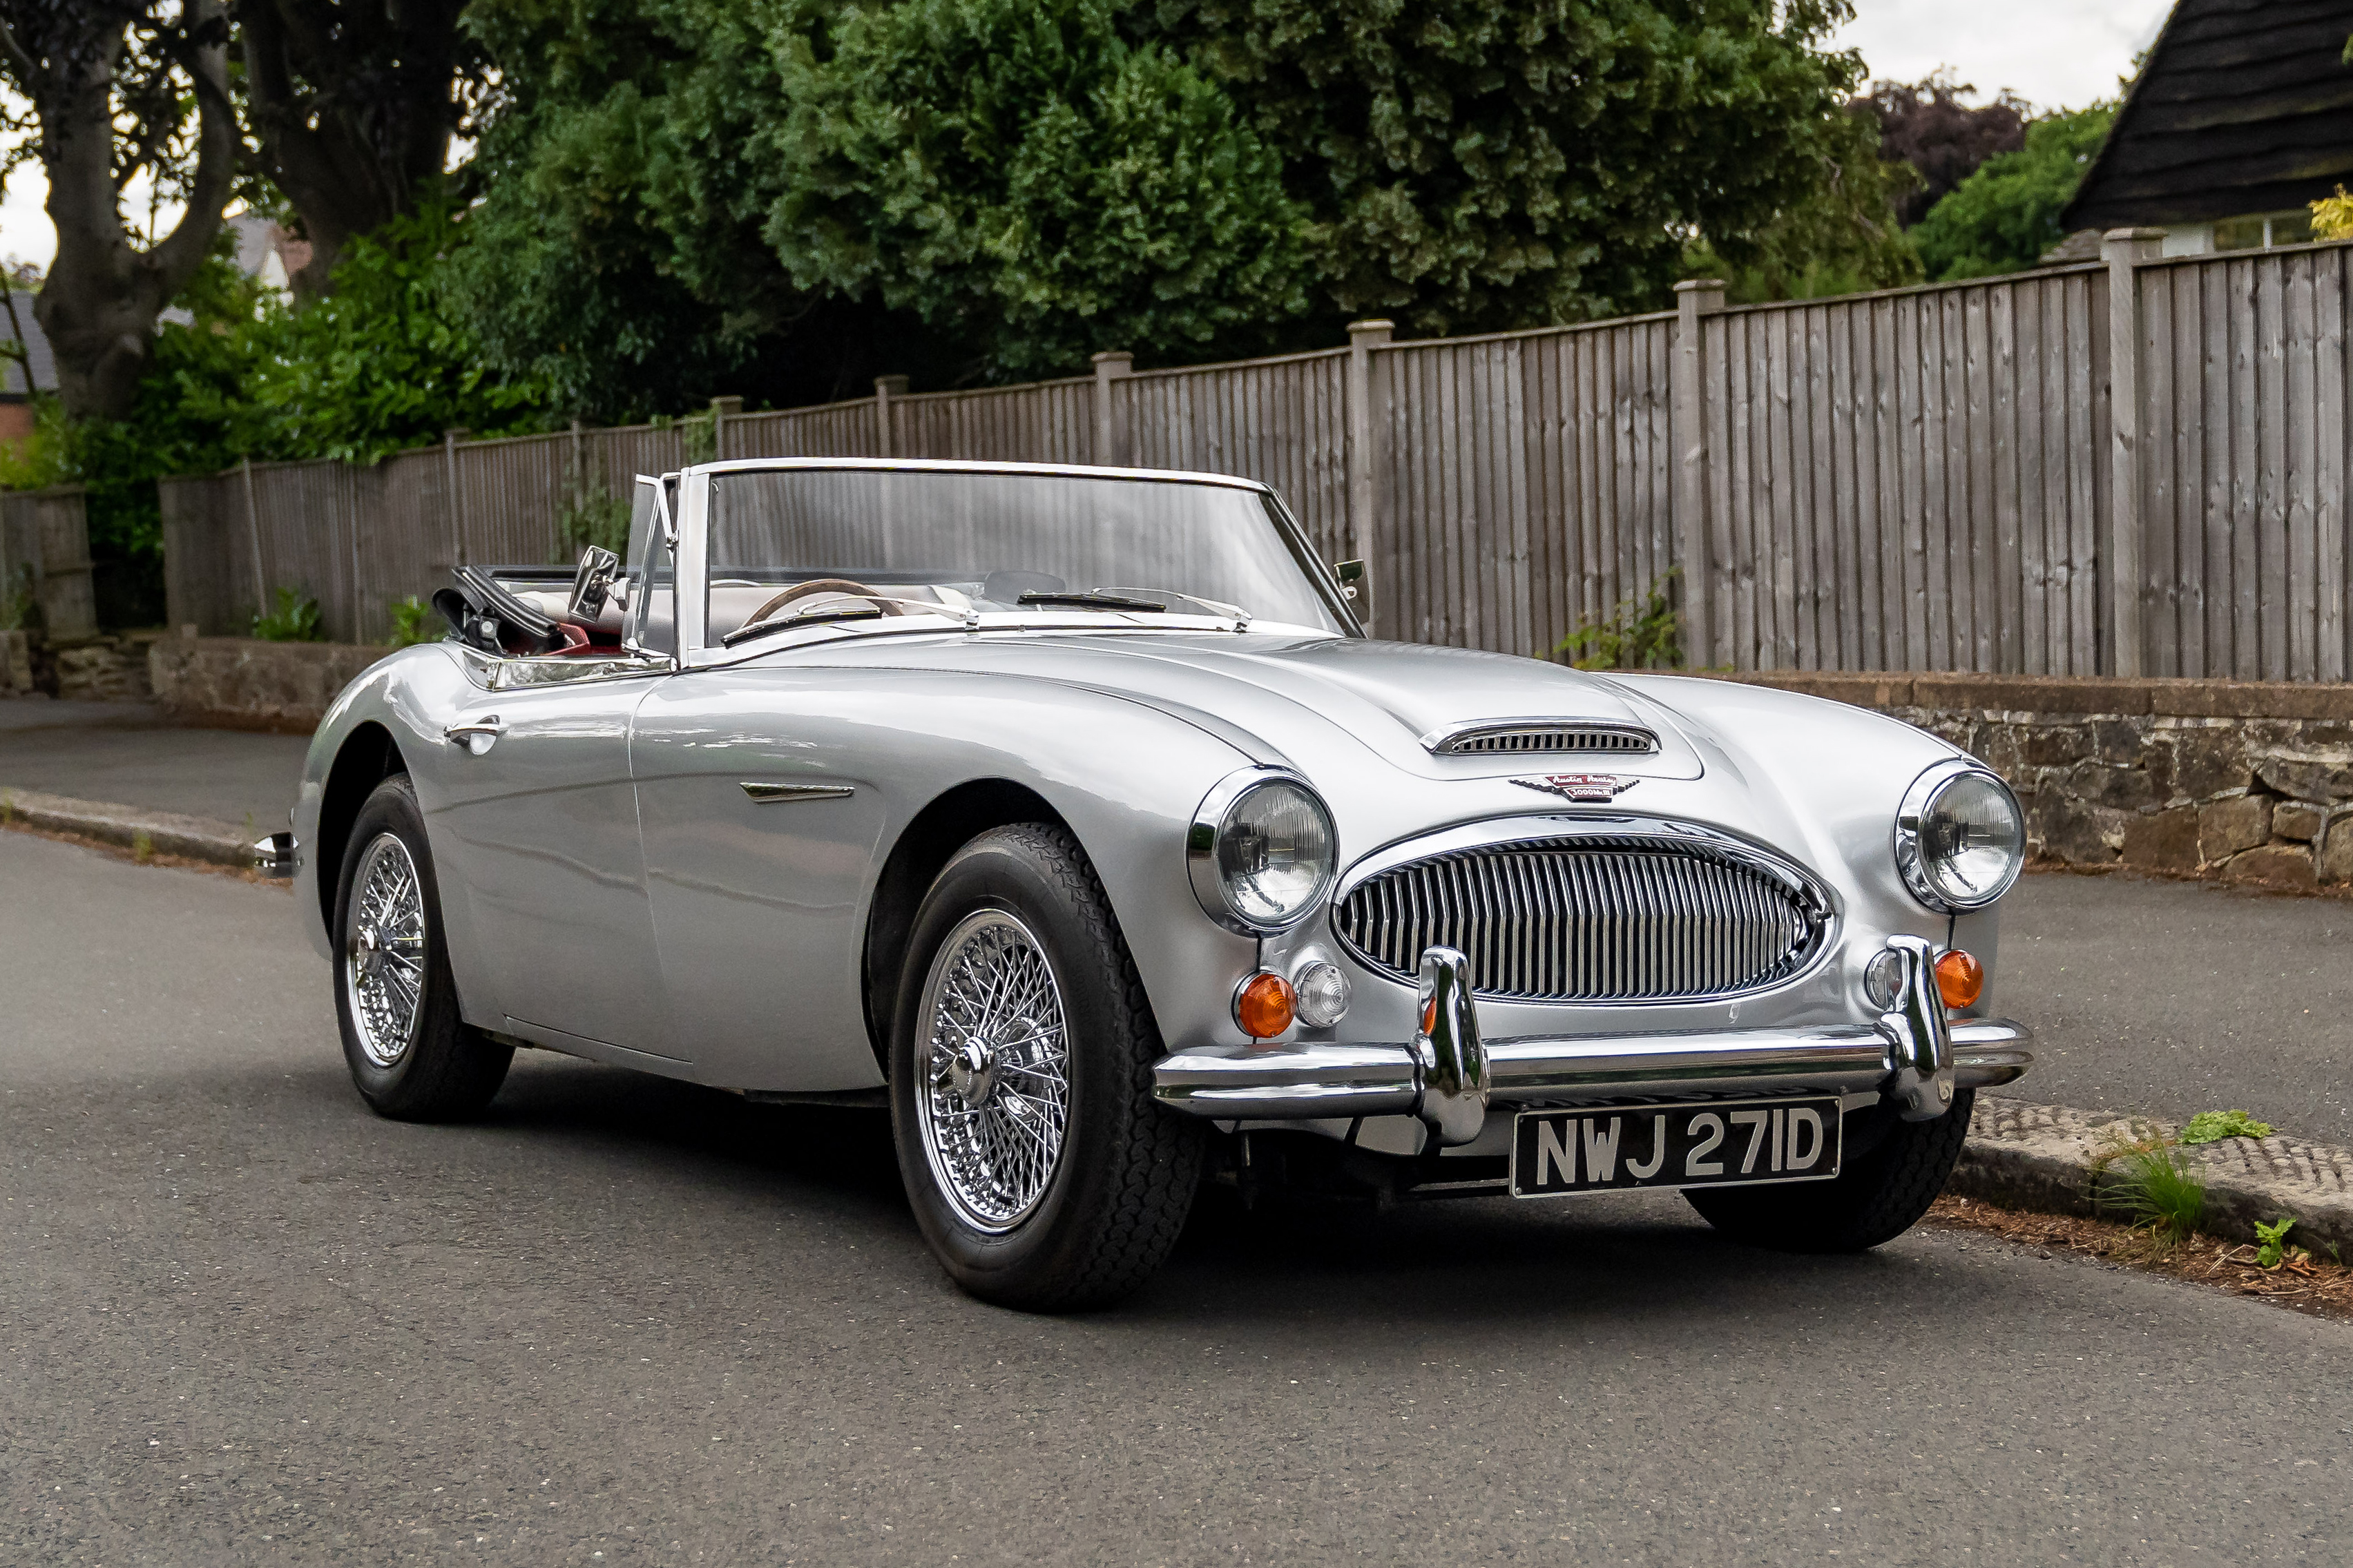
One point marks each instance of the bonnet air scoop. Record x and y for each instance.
(1541, 737)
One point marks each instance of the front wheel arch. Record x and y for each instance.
(925, 846)
(369, 755)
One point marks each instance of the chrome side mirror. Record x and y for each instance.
(1351, 576)
(592, 584)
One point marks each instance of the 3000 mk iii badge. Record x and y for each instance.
(1556, 1153)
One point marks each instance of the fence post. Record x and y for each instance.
(723, 409)
(457, 497)
(253, 526)
(2124, 250)
(1694, 299)
(1112, 449)
(887, 387)
(1368, 438)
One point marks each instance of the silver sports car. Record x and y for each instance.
(1070, 812)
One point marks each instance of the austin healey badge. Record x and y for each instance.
(1591, 789)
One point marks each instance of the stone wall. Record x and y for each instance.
(265, 685)
(103, 669)
(2247, 781)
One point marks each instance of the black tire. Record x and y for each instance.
(1881, 1194)
(1118, 1192)
(447, 1070)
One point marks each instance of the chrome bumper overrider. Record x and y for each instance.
(1448, 1077)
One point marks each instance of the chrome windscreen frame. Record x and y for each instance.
(1815, 898)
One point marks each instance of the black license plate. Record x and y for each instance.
(1716, 1144)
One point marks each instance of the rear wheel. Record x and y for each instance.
(1881, 1194)
(411, 1055)
(1040, 1169)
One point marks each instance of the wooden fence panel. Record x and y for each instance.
(2243, 482)
(1281, 421)
(1049, 422)
(45, 550)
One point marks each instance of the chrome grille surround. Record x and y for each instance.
(1590, 911)
(1542, 736)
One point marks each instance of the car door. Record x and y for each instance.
(540, 817)
(761, 814)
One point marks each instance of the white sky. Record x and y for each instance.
(2053, 52)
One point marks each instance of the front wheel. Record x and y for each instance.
(1881, 1194)
(1042, 1172)
(412, 1056)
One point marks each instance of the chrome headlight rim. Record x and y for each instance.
(1919, 801)
(1210, 819)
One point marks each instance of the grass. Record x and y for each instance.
(2156, 1187)
(142, 847)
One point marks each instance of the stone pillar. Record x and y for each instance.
(2126, 251)
(1112, 447)
(1695, 299)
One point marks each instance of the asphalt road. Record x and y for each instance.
(241, 1321)
(132, 754)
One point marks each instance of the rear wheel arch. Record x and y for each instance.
(369, 755)
(925, 846)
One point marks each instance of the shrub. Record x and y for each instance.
(296, 619)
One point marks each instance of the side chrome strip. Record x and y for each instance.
(770, 793)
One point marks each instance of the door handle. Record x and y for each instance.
(477, 736)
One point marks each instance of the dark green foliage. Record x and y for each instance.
(1643, 633)
(295, 619)
(2005, 215)
(1480, 164)
(1843, 239)
(1027, 184)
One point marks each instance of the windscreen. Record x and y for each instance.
(1004, 542)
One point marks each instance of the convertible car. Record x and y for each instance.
(1069, 813)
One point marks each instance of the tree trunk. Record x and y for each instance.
(100, 303)
(352, 103)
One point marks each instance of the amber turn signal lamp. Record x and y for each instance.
(1960, 977)
(1265, 1006)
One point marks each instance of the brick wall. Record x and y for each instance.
(2241, 779)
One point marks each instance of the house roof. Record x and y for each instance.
(2242, 107)
(36, 350)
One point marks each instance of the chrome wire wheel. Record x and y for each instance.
(993, 1102)
(383, 951)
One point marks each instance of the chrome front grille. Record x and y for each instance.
(1598, 918)
(1620, 739)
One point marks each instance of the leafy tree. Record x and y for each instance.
(2006, 215)
(353, 104)
(1028, 184)
(118, 90)
(1843, 239)
(380, 364)
(1926, 125)
(1479, 164)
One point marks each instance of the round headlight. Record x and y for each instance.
(1261, 852)
(1960, 838)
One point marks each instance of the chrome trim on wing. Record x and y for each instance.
(773, 793)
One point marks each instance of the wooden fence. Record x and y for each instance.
(45, 553)
(2131, 467)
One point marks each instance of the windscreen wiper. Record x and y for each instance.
(807, 618)
(1094, 601)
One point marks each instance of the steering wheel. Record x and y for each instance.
(814, 587)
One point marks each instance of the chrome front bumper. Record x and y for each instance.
(1447, 1076)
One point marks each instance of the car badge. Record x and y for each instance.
(1589, 788)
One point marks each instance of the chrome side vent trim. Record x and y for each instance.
(1539, 736)
(1628, 917)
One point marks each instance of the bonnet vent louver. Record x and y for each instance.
(1536, 736)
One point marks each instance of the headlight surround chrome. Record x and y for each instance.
(1262, 851)
(1960, 838)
